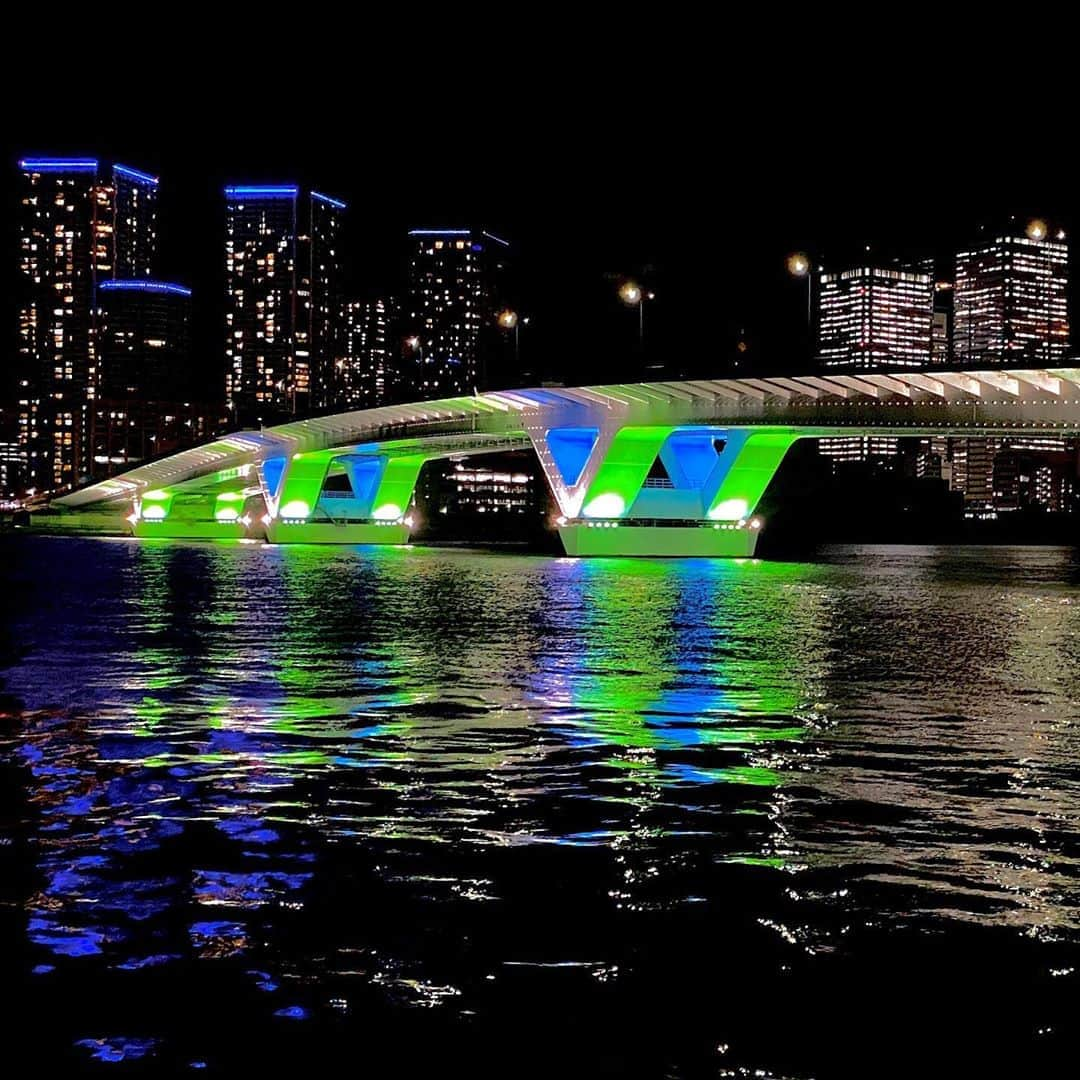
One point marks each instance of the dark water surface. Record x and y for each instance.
(424, 812)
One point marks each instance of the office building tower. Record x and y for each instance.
(367, 378)
(507, 492)
(284, 328)
(1009, 299)
(1034, 479)
(973, 474)
(933, 460)
(67, 233)
(872, 317)
(852, 449)
(941, 329)
(454, 281)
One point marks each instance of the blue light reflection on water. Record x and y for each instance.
(417, 779)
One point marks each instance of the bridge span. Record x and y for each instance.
(720, 441)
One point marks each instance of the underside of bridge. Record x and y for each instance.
(653, 469)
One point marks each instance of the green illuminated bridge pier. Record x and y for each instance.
(720, 441)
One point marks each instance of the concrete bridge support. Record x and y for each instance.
(703, 505)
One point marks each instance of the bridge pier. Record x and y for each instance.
(584, 539)
(373, 508)
(700, 505)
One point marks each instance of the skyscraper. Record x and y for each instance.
(135, 222)
(941, 332)
(69, 241)
(1009, 301)
(144, 339)
(283, 320)
(367, 377)
(322, 326)
(873, 317)
(453, 296)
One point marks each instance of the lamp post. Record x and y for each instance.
(416, 344)
(508, 320)
(798, 266)
(1036, 230)
(632, 295)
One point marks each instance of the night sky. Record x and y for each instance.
(699, 188)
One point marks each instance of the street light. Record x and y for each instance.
(798, 265)
(1036, 230)
(632, 295)
(416, 344)
(508, 319)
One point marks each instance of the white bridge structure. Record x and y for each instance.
(720, 441)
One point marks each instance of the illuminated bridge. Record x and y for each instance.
(720, 442)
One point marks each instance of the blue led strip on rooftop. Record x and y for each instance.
(439, 232)
(135, 174)
(262, 191)
(59, 164)
(326, 199)
(140, 285)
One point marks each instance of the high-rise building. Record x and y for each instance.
(873, 317)
(367, 377)
(284, 320)
(11, 460)
(134, 222)
(973, 474)
(145, 387)
(322, 293)
(1034, 479)
(941, 329)
(1010, 298)
(454, 277)
(69, 234)
(130, 431)
(144, 339)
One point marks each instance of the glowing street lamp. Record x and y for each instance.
(1036, 230)
(798, 266)
(508, 319)
(632, 295)
(416, 345)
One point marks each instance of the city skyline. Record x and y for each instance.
(734, 272)
(423, 337)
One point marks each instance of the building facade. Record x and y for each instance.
(144, 339)
(284, 323)
(322, 331)
(72, 218)
(872, 317)
(941, 330)
(1009, 300)
(848, 450)
(368, 376)
(146, 404)
(507, 492)
(134, 222)
(454, 283)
